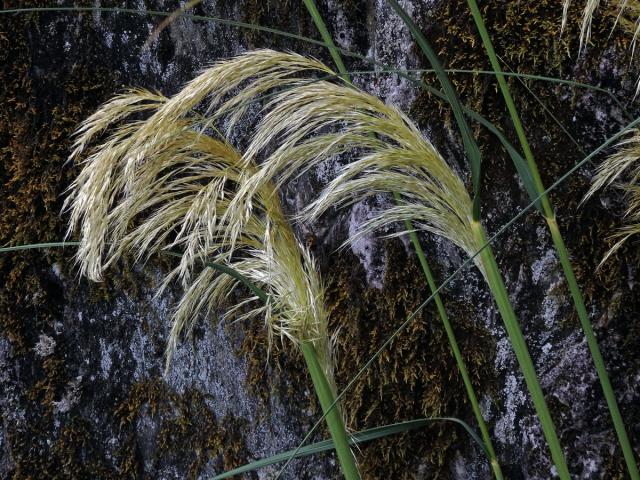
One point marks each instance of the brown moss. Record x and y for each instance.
(187, 433)
(38, 114)
(416, 377)
(73, 454)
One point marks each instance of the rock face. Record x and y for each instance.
(83, 393)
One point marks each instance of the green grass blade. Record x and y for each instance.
(592, 342)
(563, 254)
(547, 110)
(257, 291)
(326, 36)
(323, 391)
(470, 145)
(356, 438)
(608, 142)
(517, 341)
(455, 349)
(38, 246)
(527, 76)
(515, 118)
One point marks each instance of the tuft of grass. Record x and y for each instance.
(166, 182)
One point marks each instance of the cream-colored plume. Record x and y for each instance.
(166, 181)
(312, 122)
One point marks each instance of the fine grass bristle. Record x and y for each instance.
(587, 18)
(397, 159)
(162, 183)
(625, 163)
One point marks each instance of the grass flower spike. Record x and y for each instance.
(166, 183)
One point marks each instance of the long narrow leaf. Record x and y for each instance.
(455, 349)
(356, 438)
(258, 292)
(326, 36)
(36, 246)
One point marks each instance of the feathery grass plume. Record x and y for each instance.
(167, 181)
(171, 191)
(433, 196)
(625, 160)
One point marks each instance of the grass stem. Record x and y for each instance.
(462, 367)
(333, 415)
(496, 284)
(473, 399)
(592, 342)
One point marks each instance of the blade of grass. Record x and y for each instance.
(457, 354)
(257, 291)
(608, 142)
(442, 312)
(528, 76)
(356, 438)
(38, 246)
(328, 39)
(561, 248)
(548, 111)
(519, 345)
